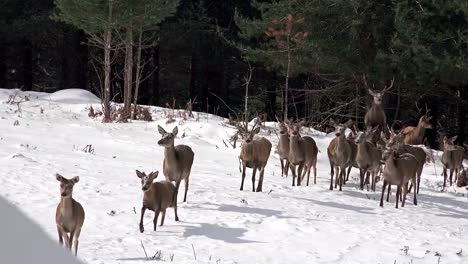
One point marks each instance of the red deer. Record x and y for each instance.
(340, 156)
(452, 159)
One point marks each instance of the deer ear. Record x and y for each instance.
(75, 179)
(256, 131)
(154, 175)
(175, 131)
(161, 130)
(453, 139)
(59, 177)
(139, 174)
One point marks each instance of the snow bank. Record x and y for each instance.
(73, 96)
(22, 241)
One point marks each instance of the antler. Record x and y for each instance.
(391, 85)
(417, 107)
(364, 79)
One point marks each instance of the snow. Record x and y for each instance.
(23, 241)
(219, 223)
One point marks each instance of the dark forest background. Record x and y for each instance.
(205, 50)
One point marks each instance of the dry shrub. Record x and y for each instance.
(143, 113)
(92, 113)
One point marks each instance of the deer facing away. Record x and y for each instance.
(157, 197)
(69, 215)
(254, 154)
(302, 153)
(178, 160)
(452, 159)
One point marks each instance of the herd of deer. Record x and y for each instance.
(377, 150)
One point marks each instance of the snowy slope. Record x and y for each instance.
(219, 224)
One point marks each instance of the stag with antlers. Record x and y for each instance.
(375, 116)
(415, 135)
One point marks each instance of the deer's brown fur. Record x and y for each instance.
(452, 159)
(283, 148)
(415, 135)
(368, 159)
(157, 197)
(340, 157)
(69, 215)
(178, 160)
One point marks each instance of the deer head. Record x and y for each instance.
(66, 185)
(146, 180)
(167, 139)
(378, 95)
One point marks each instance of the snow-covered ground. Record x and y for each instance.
(219, 223)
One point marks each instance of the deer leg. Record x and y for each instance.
(243, 177)
(65, 238)
(445, 179)
(76, 240)
(342, 176)
(175, 213)
(60, 235)
(254, 171)
(293, 171)
(383, 192)
(331, 177)
(451, 175)
(260, 180)
(388, 192)
(299, 173)
(419, 177)
(155, 219)
(143, 209)
(337, 174)
(308, 175)
(347, 174)
(315, 173)
(282, 168)
(163, 216)
(415, 200)
(72, 233)
(368, 180)
(398, 194)
(405, 191)
(361, 178)
(186, 188)
(286, 167)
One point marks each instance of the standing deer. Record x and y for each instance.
(352, 141)
(397, 140)
(452, 159)
(375, 116)
(415, 135)
(368, 159)
(157, 197)
(283, 148)
(69, 215)
(340, 156)
(254, 154)
(399, 170)
(178, 160)
(302, 154)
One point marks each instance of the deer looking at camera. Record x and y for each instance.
(415, 135)
(375, 116)
(157, 197)
(340, 155)
(254, 154)
(178, 160)
(452, 159)
(302, 154)
(283, 147)
(69, 215)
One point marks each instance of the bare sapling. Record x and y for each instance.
(69, 215)
(254, 154)
(302, 154)
(340, 156)
(375, 116)
(399, 170)
(178, 160)
(157, 197)
(415, 135)
(283, 148)
(368, 159)
(452, 159)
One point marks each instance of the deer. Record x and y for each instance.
(69, 215)
(375, 116)
(399, 170)
(283, 148)
(254, 154)
(302, 154)
(368, 159)
(351, 139)
(157, 197)
(339, 155)
(178, 160)
(462, 179)
(419, 153)
(452, 158)
(415, 135)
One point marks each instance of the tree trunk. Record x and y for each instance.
(462, 115)
(286, 87)
(107, 67)
(138, 73)
(128, 79)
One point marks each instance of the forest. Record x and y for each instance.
(300, 59)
